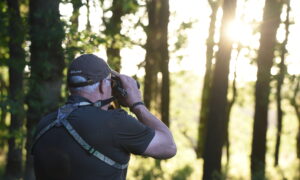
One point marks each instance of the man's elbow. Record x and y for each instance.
(173, 151)
(161, 148)
(170, 152)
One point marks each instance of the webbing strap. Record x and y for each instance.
(89, 148)
(43, 131)
(62, 115)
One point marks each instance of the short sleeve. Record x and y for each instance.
(131, 134)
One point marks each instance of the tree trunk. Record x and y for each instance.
(153, 56)
(207, 79)
(16, 66)
(74, 18)
(46, 65)
(112, 31)
(296, 106)
(156, 89)
(88, 24)
(280, 79)
(3, 90)
(72, 37)
(271, 21)
(165, 86)
(216, 121)
(157, 86)
(113, 26)
(297, 109)
(3, 82)
(229, 108)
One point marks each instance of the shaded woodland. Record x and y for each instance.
(235, 114)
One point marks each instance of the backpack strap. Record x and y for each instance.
(61, 120)
(63, 112)
(89, 148)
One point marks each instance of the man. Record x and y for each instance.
(85, 140)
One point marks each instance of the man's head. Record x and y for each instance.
(86, 73)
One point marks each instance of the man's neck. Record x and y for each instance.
(94, 97)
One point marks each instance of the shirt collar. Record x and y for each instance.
(76, 99)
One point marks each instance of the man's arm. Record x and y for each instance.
(162, 146)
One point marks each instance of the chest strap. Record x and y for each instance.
(61, 120)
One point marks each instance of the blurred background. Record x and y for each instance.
(224, 75)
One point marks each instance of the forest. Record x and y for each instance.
(223, 75)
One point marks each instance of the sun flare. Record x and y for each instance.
(240, 32)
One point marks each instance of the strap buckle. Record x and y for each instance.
(58, 123)
(91, 150)
(97, 104)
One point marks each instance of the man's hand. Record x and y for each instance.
(130, 85)
(162, 146)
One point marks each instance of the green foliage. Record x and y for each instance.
(127, 6)
(7, 107)
(130, 6)
(153, 173)
(81, 42)
(149, 169)
(3, 103)
(217, 176)
(183, 173)
(119, 8)
(181, 36)
(2, 169)
(3, 34)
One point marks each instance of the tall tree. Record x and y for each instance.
(216, 121)
(113, 26)
(4, 55)
(229, 108)
(296, 104)
(72, 37)
(46, 65)
(75, 15)
(214, 5)
(156, 91)
(88, 7)
(271, 21)
(151, 84)
(16, 66)
(280, 79)
(164, 60)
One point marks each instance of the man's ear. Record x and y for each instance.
(101, 86)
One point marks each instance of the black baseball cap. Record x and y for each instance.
(89, 66)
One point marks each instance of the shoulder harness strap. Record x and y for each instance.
(61, 120)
